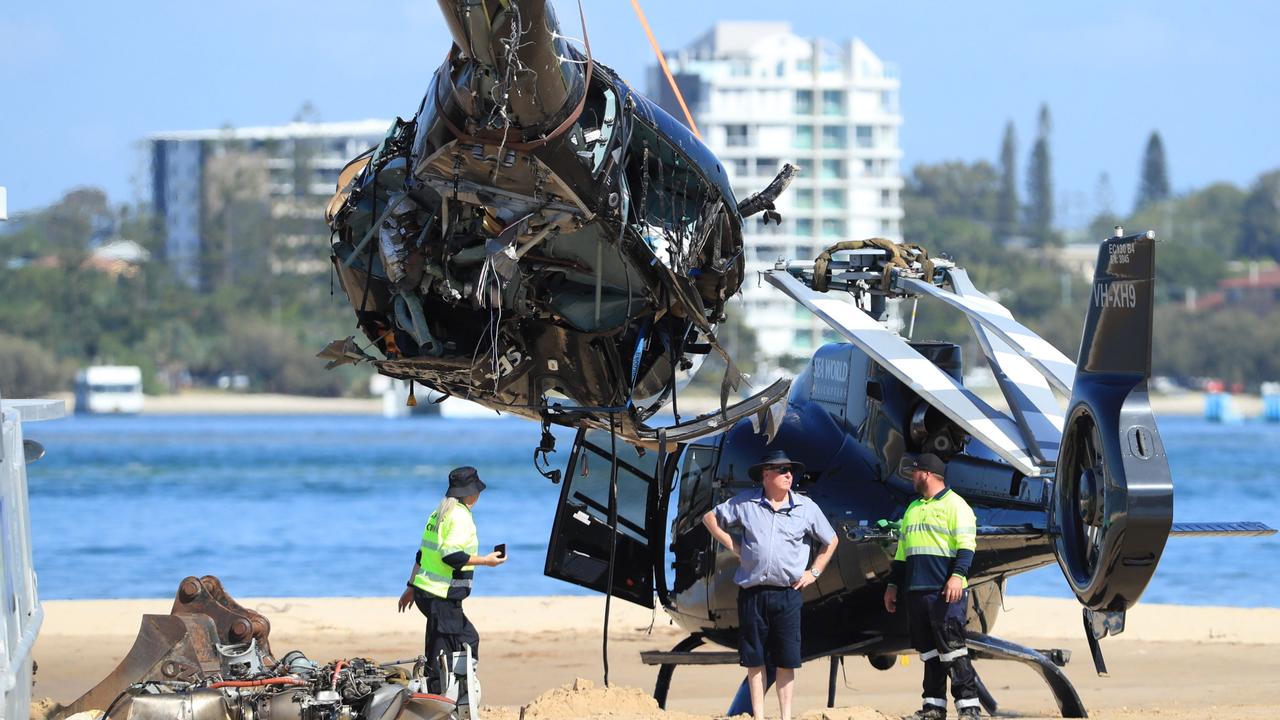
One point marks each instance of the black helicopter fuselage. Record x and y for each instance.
(539, 238)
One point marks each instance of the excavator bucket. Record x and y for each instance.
(182, 645)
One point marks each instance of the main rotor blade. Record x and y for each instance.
(991, 427)
(1035, 408)
(1046, 358)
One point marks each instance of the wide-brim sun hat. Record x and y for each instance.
(775, 457)
(464, 482)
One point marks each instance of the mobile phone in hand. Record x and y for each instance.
(501, 549)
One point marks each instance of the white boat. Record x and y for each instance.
(395, 396)
(109, 389)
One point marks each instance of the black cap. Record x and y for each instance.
(463, 482)
(927, 461)
(776, 457)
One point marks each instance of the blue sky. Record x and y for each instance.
(82, 83)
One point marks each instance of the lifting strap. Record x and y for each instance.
(896, 259)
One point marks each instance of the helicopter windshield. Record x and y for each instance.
(674, 207)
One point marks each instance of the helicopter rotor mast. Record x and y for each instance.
(872, 274)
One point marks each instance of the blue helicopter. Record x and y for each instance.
(1088, 487)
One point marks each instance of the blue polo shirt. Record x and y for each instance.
(775, 544)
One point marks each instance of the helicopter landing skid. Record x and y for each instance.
(1047, 663)
(682, 654)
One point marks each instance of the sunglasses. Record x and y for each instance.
(780, 469)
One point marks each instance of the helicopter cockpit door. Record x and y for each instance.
(691, 543)
(579, 548)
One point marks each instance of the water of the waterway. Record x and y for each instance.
(334, 506)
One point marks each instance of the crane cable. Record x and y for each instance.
(662, 62)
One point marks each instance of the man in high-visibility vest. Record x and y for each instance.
(443, 569)
(935, 551)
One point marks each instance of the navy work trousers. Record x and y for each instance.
(937, 632)
(447, 630)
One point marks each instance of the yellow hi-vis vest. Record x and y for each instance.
(455, 533)
(933, 531)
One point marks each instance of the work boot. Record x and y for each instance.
(928, 712)
(969, 713)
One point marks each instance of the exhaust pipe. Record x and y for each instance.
(1112, 503)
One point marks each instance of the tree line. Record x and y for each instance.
(971, 211)
(60, 312)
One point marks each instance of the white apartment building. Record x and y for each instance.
(761, 96)
(286, 173)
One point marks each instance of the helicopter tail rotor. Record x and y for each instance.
(1112, 504)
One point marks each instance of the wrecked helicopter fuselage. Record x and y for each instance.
(540, 238)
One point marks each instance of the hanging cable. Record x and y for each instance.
(541, 454)
(677, 352)
(664, 483)
(333, 270)
(613, 535)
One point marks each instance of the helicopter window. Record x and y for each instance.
(598, 121)
(669, 195)
(591, 487)
(697, 470)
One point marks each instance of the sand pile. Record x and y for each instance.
(582, 700)
(43, 708)
(847, 713)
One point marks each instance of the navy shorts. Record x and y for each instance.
(769, 627)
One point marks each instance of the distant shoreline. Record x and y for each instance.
(209, 402)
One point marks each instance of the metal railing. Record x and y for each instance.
(20, 610)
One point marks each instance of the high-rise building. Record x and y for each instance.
(237, 195)
(761, 96)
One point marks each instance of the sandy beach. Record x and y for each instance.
(1172, 662)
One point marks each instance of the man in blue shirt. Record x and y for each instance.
(778, 528)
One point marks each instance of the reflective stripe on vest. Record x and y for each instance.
(938, 527)
(457, 533)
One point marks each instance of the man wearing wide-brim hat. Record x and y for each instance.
(443, 569)
(778, 527)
